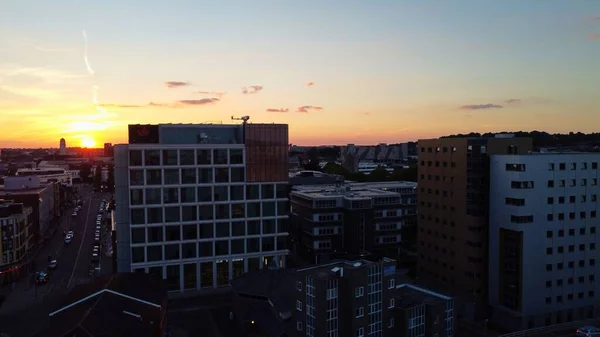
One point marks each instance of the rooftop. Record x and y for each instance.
(352, 190)
(409, 295)
(29, 191)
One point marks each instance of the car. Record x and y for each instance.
(588, 331)
(74, 214)
(97, 233)
(68, 239)
(95, 257)
(70, 233)
(41, 277)
(53, 264)
(97, 238)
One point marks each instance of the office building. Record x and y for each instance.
(340, 298)
(543, 238)
(108, 150)
(453, 216)
(333, 221)
(62, 147)
(200, 204)
(16, 237)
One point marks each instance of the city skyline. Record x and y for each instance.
(337, 73)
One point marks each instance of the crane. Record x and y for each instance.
(244, 119)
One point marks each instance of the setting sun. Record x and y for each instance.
(88, 142)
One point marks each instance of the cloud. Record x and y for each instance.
(481, 106)
(366, 113)
(124, 106)
(594, 36)
(277, 110)
(310, 84)
(211, 93)
(48, 75)
(31, 92)
(512, 101)
(176, 84)
(47, 49)
(595, 19)
(308, 108)
(199, 101)
(253, 89)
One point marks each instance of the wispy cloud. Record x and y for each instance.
(203, 101)
(277, 110)
(211, 93)
(310, 84)
(47, 49)
(367, 113)
(513, 101)
(481, 106)
(124, 106)
(308, 108)
(594, 36)
(48, 75)
(176, 84)
(31, 92)
(253, 89)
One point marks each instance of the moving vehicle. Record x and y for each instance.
(95, 257)
(588, 331)
(41, 277)
(74, 214)
(68, 239)
(53, 264)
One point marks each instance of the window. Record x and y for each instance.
(186, 157)
(204, 157)
(298, 285)
(360, 332)
(359, 291)
(135, 158)
(550, 183)
(236, 156)
(152, 157)
(391, 323)
(169, 157)
(515, 167)
(392, 303)
(360, 312)
(299, 305)
(391, 283)
(220, 157)
(299, 326)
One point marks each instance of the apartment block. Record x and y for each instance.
(352, 219)
(543, 238)
(201, 204)
(16, 238)
(341, 298)
(453, 216)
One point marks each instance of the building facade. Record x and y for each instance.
(453, 216)
(200, 204)
(16, 238)
(543, 240)
(333, 221)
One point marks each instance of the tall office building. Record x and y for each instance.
(543, 238)
(453, 216)
(62, 147)
(200, 204)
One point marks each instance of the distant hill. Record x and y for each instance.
(544, 139)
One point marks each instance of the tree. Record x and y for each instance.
(378, 174)
(84, 172)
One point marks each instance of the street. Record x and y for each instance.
(28, 302)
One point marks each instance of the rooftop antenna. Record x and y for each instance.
(244, 120)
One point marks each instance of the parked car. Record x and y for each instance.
(95, 257)
(588, 331)
(68, 239)
(53, 264)
(41, 277)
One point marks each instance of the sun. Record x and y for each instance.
(88, 142)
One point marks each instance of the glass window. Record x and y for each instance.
(268, 191)
(171, 177)
(253, 263)
(237, 266)
(205, 176)
(221, 248)
(236, 192)
(137, 254)
(138, 235)
(186, 157)
(283, 208)
(254, 227)
(206, 274)
(136, 177)
(282, 225)
(135, 158)
(137, 216)
(206, 230)
(268, 226)
(236, 156)
(252, 192)
(237, 175)
(206, 212)
(268, 208)
(155, 215)
(152, 157)
(169, 157)
(204, 157)
(205, 193)
(188, 194)
(205, 249)
(190, 213)
(153, 177)
(238, 228)
(188, 176)
(188, 250)
(153, 196)
(221, 175)
(222, 229)
(155, 253)
(220, 156)
(221, 193)
(282, 191)
(172, 252)
(189, 276)
(173, 233)
(155, 234)
(172, 214)
(238, 210)
(237, 246)
(173, 277)
(253, 210)
(171, 195)
(222, 211)
(268, 244)
(190, 232)
(156, 271)
(281, 242)
(137, 197)
(252, 246)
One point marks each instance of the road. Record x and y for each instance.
(30, 303)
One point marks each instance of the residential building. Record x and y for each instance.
(200, 204)
(340, 298)
(108, 150)
(122, 305)
(543, 238)
(453, 216)
(16, 238)
(48, 175)
(332, 221)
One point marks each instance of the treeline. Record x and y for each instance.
(379, 174)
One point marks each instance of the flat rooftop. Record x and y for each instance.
(335, 266)
(352, 190)
(28, 191)
(409, 295)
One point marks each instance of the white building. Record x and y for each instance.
(48, 175)
(543, 240)
(189, 208)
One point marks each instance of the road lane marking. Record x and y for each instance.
(85, 224)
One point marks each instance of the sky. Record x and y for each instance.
(336, 71)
